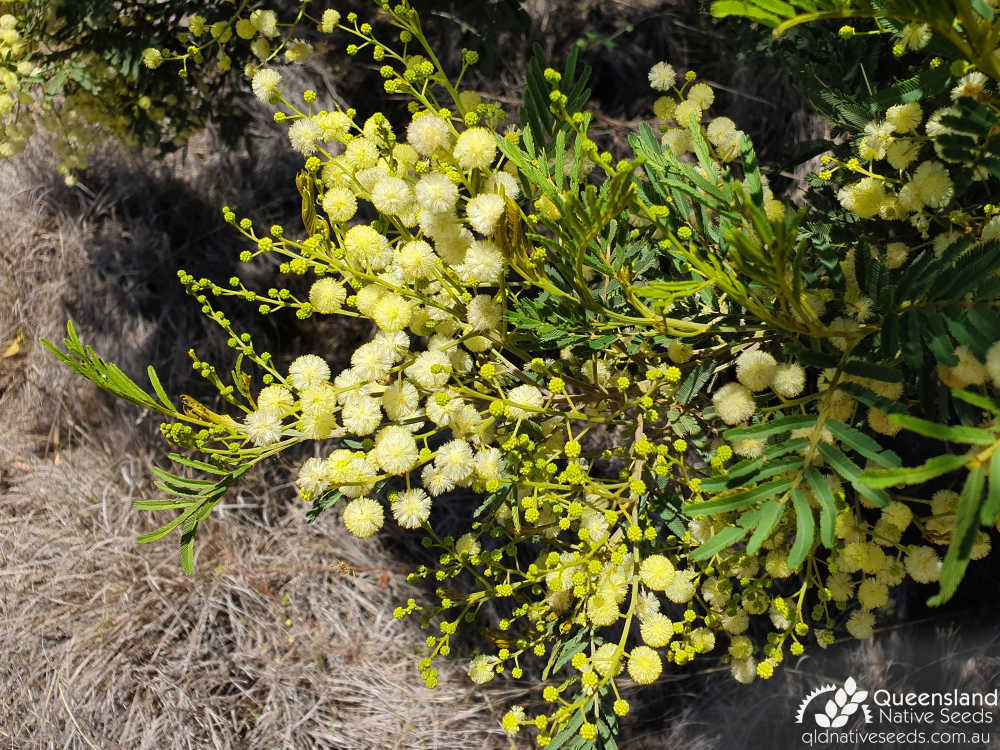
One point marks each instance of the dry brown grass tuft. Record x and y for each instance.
(285, 637)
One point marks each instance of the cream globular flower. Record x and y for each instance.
(734, 403)
(266, 84)
(367, 247)
(435, 481)
(367, 297)
(902, 152)
(483, 212)
(992, 363)
(275, 397)
(607, 660)
(308, 370)
(318, 399)
(336, 126)
(841, 586)
(329, 20)
(755, 369)
(363, 516)
(395, 450)
(475, 149)
(305, 135)
(361, 154)
(361, 415)
(657, 572)
(744, 670)
(467, 545)
(428, 133)
(713, 593)
(678, 140)
(369, 177)
(968, 370)
(440, 413)
(644, 665)
(736, 623)
(663, 108)
(416, 260)
(749, 448)
(392, 313)
(369, 362)
(327, 295)
(602, 609)
(392, 196)
(681, 588)
(263, 427)
(400, 400)
(879, 421)
(861, 624)
(313, 478)
(898, 514)
(685, 111)
(525, 395)
(502, 182)
(932, 184)
(896, 254)
(430, 370)
(878, 136)
(873, 594)
(265, 21)
(315, 426)
(923, 564)
(702, 95)
(455, 461)
(656, 630)
(411, 508)
(395, 344)
(915, 36)
(483, 262)
(489, 463)
(152, 58)
(904, 118)
(722, 133)
(436, 194)
(971, 85)
(789, 380)
(662, 76)
(864, 197)
(483, 314)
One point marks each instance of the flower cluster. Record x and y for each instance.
(78, 76)
(666, 392)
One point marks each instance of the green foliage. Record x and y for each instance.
(979, 502)
(194, 497)
(84, 361)
(535, 114)
(676, 400)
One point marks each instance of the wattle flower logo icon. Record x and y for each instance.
(839, 708)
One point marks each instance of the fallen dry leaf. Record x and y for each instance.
(14, 349)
